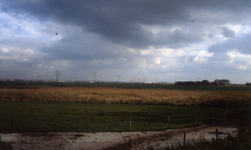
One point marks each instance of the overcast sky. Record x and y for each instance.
(129, 40)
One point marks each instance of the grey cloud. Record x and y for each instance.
(120, 21)
(14, 69)
(240, 43)
(21, 43)
(84, 46)
(90, 51)
(112, 19)
(226, 32)
(104, 30)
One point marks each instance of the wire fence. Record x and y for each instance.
(103, 123)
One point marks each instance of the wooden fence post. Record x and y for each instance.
(12, 125)
(130, 144)
(169, 120)
(216, 134)
(249, 126)
(184, 141)
(79, 120)
(130, 123)
(0, 143)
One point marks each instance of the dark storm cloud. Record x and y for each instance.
(82, 47)
(178, 38)
(121, 21)
(117, 20)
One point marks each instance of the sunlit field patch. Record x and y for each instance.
(125, 96)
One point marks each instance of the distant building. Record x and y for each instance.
(248, 84)
(221, 82)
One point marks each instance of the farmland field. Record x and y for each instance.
(98, 108)
(62, 117)
(216, 96)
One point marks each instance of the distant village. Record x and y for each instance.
(224, 82)
(204, 82)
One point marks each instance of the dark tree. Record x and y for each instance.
(205, 82)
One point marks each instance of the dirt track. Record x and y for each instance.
(227, 124)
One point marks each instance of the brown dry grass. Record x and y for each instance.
(134, 96)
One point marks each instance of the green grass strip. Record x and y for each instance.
(82, 117)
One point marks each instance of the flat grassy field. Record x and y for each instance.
(82, 117)
(97, 108)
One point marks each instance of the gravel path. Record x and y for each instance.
(228, 123)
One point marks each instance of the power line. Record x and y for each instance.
(95, 75)
(118, 77)
(57, 74)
